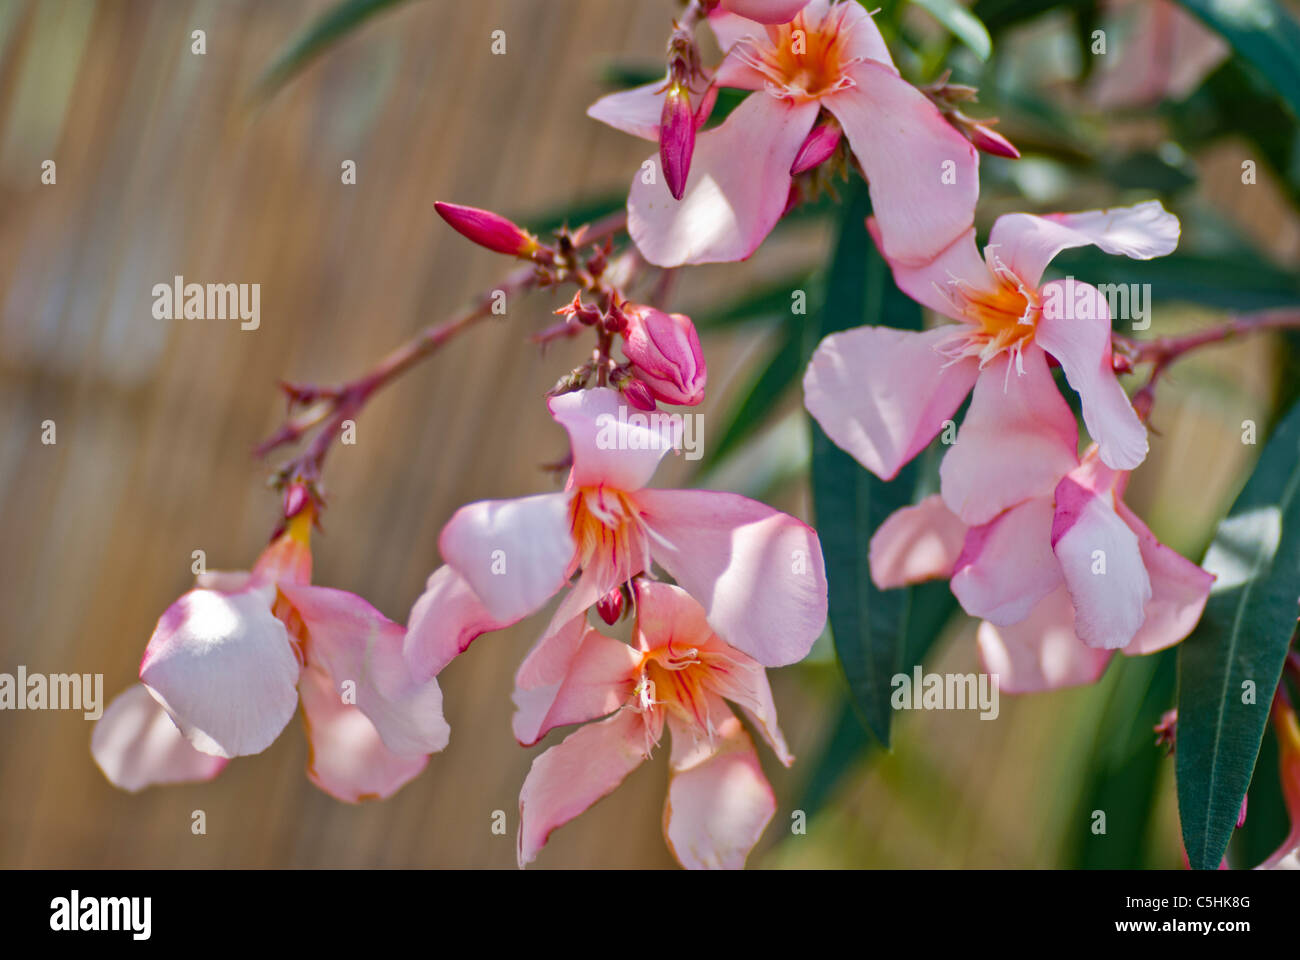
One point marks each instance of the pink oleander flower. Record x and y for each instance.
(1287, 856)
(757, 572)
(923, 174)
(230, 661)
(883, 394)
(1061, 581)
(665, 353)
(677, 673)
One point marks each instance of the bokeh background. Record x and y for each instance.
(168, 163)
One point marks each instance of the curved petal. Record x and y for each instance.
(1028, 243)
(923, 175)
(764, 11)
(612, 445)
(1102, 566)
(356, 643)
(514, 554)
(346, 756)
(718, 802)
(1007, 566)
(1017, 441)
(137, 745)
(599, 678)
(1179, 589)
(445, 620)
(864, 40)
(942, 284)
(757, 572)
(920, 542)
(572, 775)
(1075, 329)
(1040, 652)
(883, 394)
(729, 27)
(223, 667)
(736, 191)
(636, 111)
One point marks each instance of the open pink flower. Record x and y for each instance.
(1061, 581)
(923, 174)
(1287, 856)
(680, 674)
(230, 661)
(758, 572)
(883, 394)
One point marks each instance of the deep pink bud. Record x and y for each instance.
(638, 394)
(665, 353)
(488, 229)
(610, 606)
(990, 141)
(296, 499)
(817, 148)
(676, 138)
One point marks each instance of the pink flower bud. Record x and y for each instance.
(817, 148)
(488, 229)
(665, 353)
(990, 141)
(638, 394)
(676, 138)
(610, 606)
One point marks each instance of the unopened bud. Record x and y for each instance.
(610, 606)
(817, 148)
(488, 229)
(990, 141)
(665, 353)
(615, 320)
(676, 138)
(638, 394)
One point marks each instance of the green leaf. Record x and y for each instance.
(766, 303)
(963, 24)
(869, 626)
(333, 25)
(1263, 34)
(997, 15)
(1242, 638)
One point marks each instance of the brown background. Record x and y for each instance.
(165, 167)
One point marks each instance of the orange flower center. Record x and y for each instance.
(1003, 318)
(802, 59)
(606, 528)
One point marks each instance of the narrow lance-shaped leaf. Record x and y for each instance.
(1229, 667)
(1263, 34)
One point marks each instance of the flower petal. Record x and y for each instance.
(636, 111)
(223, 667)
(1028, 243)
(1179, 589)
(445, 620)
(1075, 329)
(1017, 441)
(354, 642)
(1007, 565)
(736, 191)
(612, 446)
(920, 542)
(599, 679)
(934, 284)
(514, 554)
(1102, 566)
(137, 745)
(923, 175)
(347, 757)
(572, 775)
(1040, 652)
(718, 802)
(764, 11)
(757, 572)
(883, 394)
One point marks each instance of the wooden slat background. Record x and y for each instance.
(164, 168)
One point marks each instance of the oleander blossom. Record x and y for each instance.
(1060, 581)
(230, 661)
(678, 674)
(923, 174)
(757, 571)
(883, 394)
(1287, 856)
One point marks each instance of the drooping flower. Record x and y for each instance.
(678, 674)
(1061, 581)
(757, 572)
(1287, 856)
(923, 174)
(883, 394)
(230, 661)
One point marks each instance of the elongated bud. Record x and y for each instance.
(665, 353)
(676, 138)
(990, 141)
(488, 229)
(817, 148)
(610, 606)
